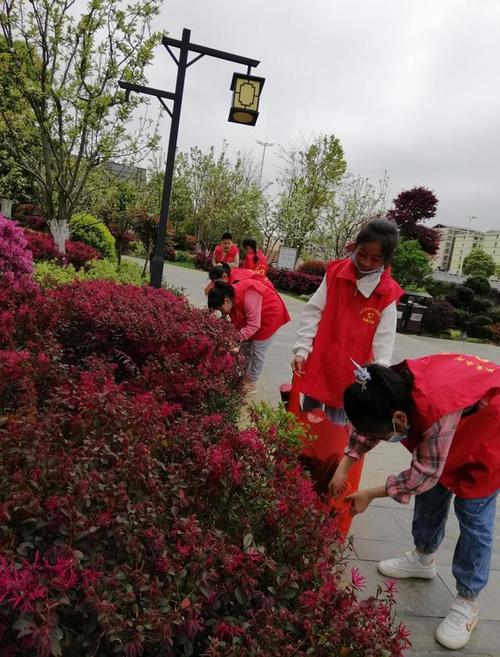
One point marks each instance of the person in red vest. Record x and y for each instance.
(257, 311)
(254, 258)
(352, 314)
(227, 251)
(227, 275)
(446, 410)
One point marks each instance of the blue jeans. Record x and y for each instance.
(335, 415)
(476, 517)
(256, 350)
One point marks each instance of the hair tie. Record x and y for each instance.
(361, 374)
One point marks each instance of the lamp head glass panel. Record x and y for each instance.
(246, 95)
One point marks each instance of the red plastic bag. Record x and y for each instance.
(322, 454)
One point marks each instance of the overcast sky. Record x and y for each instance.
(411, 87)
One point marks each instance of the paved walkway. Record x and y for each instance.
(385, 529)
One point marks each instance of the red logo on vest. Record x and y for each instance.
(370, 315)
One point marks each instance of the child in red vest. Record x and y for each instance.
(257, 311)
(446, 409)
(227, 251)
(352, 314)
(254, 258)
(227, 275)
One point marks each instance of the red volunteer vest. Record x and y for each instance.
(260, 266)
(346, 329)
(446, 383)
(239, 274)
(228, 257)
(274, 312)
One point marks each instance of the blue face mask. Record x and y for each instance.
(366, 272)
(397, 436)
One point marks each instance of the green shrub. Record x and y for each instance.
(49, 274)
(466, 295)
(481, 305)
(462, 318)
(184, 256)
(439, 317)
(128, 272)
(87, 228)
(479, 327)
(479, 285)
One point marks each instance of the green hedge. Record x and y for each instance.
(87, 228)
(50, 274)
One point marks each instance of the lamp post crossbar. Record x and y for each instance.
(185, 47)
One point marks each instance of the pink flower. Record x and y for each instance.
(358, 580)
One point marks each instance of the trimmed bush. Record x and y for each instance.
(293, 281)
(203, 261)
(481, 305)
(495, 332)
(478, 327)
(16, 259)
(49, 273)
(127, 272)
(87, 228)
(139, 521)
(462, 318)
(479, 285)
(79, 254)
(465, 295)
(30, 216)
(42, 245)
(314, 267)
(439, 317)
(185, 242)
(184, 256)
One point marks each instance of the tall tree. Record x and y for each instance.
(308, 181)
(478, 263)
(411, 266)
(411, 208)
(356, 199)
(61, 69)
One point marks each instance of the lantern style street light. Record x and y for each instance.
(246, 96)
(244, 109)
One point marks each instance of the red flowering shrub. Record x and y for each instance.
(42, 245)
(495, 332)
(293, 281)
(314, 267)
(203, 261)
(131, 523)
(79, 254)
(30, 216)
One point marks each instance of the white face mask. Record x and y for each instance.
(368, 271)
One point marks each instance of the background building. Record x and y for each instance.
(462, 245)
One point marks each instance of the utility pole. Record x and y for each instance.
(265, 145)
(185, 48)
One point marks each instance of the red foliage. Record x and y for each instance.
(314, 267)
(412, 207)
(495, 332)
(295, 282)
(30, 216)
(131, 523)
(42, 245)
(79, 253)
(203, 261)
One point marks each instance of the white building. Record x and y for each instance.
(491, 245)
(462, 246)
(441, 261)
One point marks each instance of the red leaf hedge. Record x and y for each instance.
(135, 519)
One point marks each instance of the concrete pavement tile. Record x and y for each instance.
(489, 599)
(414, 597)
(484, 642)
(379, 524)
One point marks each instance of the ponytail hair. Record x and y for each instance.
(252, 244)
(217, 272)
(370, 405)
(218, 294)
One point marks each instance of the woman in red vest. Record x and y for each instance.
(254, 258)
(446, 409)
(351, 315)
(227, 251)
(257, 311)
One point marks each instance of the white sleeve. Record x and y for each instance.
(383, 340)
(309, 321)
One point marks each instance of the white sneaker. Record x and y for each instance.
(407, 566)
(455, 630)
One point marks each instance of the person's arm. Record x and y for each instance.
(309, 321)
(236, 262)
(357, 447)
(383, 340)
(252, 305)
(428, 460)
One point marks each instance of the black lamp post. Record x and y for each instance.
(244, 110)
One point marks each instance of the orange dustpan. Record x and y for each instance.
(325, 446)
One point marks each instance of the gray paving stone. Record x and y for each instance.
(485, 640)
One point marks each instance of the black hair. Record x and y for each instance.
(217, 272)
(371, 409)
(253, 245)
(218, 294)
(225, 266)
(226, 236)
(382, 231)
